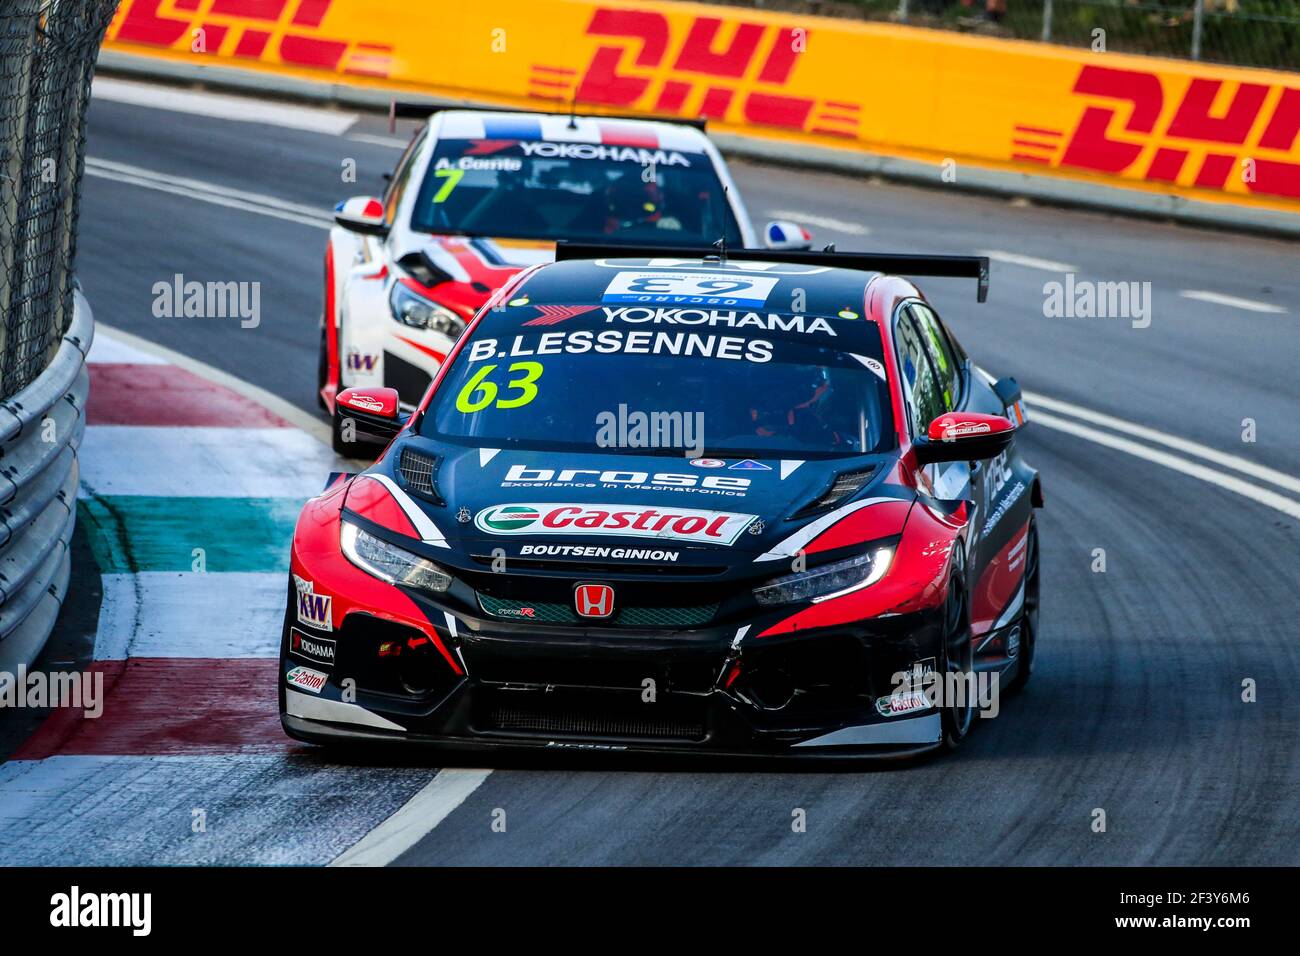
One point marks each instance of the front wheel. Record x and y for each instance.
(958, 688)
(1029, 615)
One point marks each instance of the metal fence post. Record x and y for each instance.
(1198, 23)
(902, 11)
(1047, 21)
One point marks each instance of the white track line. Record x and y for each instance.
(1029, 262)
(199, 185)
(417, 817)
(1243, 465)
(389, 141)
(821, 222)
(1231, 301)
(1270, 499)
(209, 192)
(242, 109)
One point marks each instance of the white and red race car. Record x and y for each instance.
(480, 194)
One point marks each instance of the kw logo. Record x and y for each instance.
(1211, 128)
(315, 610)
(640, 65)
(251, 30)
(362, 362)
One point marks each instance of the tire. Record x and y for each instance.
(322, 369)
(958, 652)
(1029, 615)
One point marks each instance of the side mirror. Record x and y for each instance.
(780, 234)
(964, 436)
(366, 420)
(362, 214)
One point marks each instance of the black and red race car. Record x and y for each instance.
(677, 500)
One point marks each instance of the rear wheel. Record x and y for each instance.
(958, 710)
(1029, 616)
(322, 369)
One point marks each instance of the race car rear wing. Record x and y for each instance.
(410, 110)
(949, 267)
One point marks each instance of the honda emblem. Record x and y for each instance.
(594, 600)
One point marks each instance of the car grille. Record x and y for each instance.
(527, 610)
(666, 616)
(552, 613)
(579, 718)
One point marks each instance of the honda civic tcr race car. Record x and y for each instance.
(478, 195)
(648, 503)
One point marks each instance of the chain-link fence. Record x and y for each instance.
(1263, 33)
(47, 59)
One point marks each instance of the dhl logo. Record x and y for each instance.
(1216, 132)
(281, 32)
(639, 64)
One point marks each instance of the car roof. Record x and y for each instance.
(562, 128)
(774, 286)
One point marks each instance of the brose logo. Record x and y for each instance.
(524, 476)
(677, 524)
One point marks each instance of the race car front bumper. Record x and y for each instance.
(496, 684)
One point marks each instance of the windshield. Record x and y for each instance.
(535, 189)
(646, 380)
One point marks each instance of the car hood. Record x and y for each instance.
(646, 508)
(464, 257)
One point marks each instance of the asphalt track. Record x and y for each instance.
(1135, 707)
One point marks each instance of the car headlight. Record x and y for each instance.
(418, 312)
(390, 563)
(827, 581)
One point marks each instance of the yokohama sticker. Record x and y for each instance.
(318, 650)
(675, 524)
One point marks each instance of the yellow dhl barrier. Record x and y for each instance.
(1201, 131)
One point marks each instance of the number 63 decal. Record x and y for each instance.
(488, 390)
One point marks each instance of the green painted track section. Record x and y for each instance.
(131, 533)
